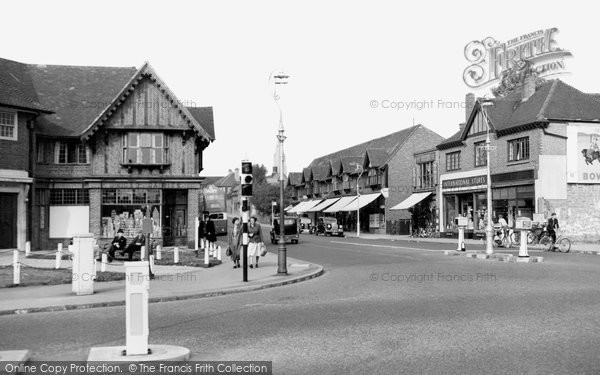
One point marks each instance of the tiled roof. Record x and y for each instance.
(16, 87)
(336, 166)
(349, 163)
(552, 101)
(227, 181)
(321, 172)
(211, 180)
(377, 157)
(307, 174)
(204, 116)
(295, 178)
(390, 144)
(77, 94)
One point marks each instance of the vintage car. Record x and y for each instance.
(290, 230)
(329, 227)
(306, 225)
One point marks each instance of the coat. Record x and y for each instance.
(552, 224)
(122, 242)
(255, 233)
(235, 243)
(210, 231)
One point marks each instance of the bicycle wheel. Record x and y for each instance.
(515, 238)
(564, 245)
(546, 243)
(530, 238)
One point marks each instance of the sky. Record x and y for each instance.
(342, 56)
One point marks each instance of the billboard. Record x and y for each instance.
(583, 153)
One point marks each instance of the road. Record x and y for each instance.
(381, 307)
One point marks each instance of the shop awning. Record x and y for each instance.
(309, 205)
(410, 201)
(340, 204)
(297, 207)
(360, 202)
(321, 206)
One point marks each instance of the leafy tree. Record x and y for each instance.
(259, 174)
(514, 77)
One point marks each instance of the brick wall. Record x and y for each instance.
(192, 214)
(578, 215)
(15, 154)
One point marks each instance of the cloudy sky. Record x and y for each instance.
(341, 56)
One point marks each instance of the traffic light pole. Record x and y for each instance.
(245, 215)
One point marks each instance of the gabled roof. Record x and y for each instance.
(336, 166)
(321, 172)
(377, 157)
(552, 101)
(227, 181)
(307, 172)
(16, 87)
(390, 143)
(295, 178)
(349, 163)
(211, 180)
(204, 117)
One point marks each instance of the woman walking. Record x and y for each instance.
(255, 241)
(235, 242)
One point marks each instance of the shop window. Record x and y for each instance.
(8, 125)
(518, 149)
(69, 197)
(145, 148)
(480, 154)
(453, 161)
(125, 208)
(71, 152)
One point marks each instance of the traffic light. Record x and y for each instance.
(246, 179)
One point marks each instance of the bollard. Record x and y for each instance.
(219, 253)
(84, 264)
(94, 274)
(196, 225)
(206, 258)
(176, 254)
(152, 263)
(158, 252)
(461, 238)
(27, 248)
(202, 244)
(137, 286)
(143, 253)
(523, 247)
(60, 246)
(58, 258)
(104, 261)
(16, 268)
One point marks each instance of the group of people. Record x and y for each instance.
(255, 242)
(119, 243)
(551, 226)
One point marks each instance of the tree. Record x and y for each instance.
(514, 77)
(259, 174)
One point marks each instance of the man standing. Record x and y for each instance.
(552, 226)
(209, 229)
(201, 227)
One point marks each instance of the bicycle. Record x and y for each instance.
(562, 243)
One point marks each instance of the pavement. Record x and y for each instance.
(171, 283)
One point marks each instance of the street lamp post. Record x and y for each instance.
(489, 231)
(280, 78)
(358, 199)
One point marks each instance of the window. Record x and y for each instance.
(478, 126)
(453, 161)
(480, 154)
(69, 197)
(425, 176)
(374, 177)
(145, 148)
(71, 152)
(8, 125)
(518, 149)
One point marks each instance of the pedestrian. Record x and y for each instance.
(235, 242)
(255, 240)
(201, 227)
(136, 245)
(118, 243)
(209, 229)
(552, 226)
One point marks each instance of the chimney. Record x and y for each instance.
(469, 104)
(274, 170)
(237, 174)
(528, 87)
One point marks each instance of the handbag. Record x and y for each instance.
(263, 249)
(228, 252)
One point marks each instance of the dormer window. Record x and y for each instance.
(8, 125)
(71, 152)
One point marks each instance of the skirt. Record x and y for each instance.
(253, 249)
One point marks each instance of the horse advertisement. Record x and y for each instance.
(583, 150)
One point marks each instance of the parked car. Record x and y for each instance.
(290, 232)
(306, 225)
(328, 226)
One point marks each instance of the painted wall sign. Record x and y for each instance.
(464, 182)
(583, 153)
(490, 57)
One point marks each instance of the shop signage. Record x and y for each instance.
(490, 57)
(583, 153)
(464, 182)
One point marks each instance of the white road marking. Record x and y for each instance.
(384, 246)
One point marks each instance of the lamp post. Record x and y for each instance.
(280, 78)
(358, 198)
(489, 231)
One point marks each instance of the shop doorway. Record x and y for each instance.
(8, 220)
(175, 217)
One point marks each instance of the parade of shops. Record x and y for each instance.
(100, 149)
(328, 186)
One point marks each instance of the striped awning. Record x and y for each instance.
(337, 206)
(323, 205)
(411, 201)
(360, 202)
